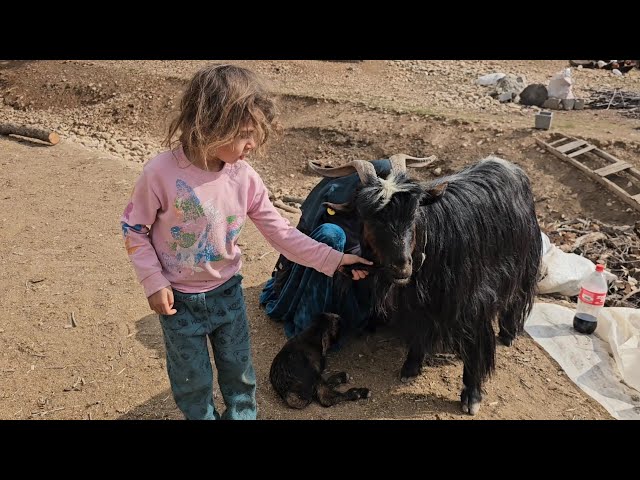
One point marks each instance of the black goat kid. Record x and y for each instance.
(296, 371)
(452, 257)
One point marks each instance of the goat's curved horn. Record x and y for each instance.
(332, 172)
(365, 170)
(399, 162)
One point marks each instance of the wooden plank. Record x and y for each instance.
(560, 141)
(634, 172)
(570, 146)
(610, 169)
(609, 185)
(624, 196)
(606, 155)
(636, 197)
(580, 152)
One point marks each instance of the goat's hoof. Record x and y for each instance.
(409, 372)
(471, 409)
(470, 403)
(505, 340)
(357, 393)
(363, 392)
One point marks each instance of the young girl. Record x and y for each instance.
(181, 230)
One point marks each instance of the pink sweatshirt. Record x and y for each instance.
(182, 224)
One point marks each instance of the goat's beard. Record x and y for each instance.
(384, 291)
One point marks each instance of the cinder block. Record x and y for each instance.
(543, 120)
(552, 103)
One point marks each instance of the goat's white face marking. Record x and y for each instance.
(389, 186)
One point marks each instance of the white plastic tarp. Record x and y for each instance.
(605, 364)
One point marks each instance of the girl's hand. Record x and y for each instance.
(349, 259)
(162, 302)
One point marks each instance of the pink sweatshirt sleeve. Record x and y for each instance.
(288, 240)
(139, 214)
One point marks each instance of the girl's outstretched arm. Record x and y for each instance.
(291, 242)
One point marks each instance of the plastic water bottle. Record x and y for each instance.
(593, 292)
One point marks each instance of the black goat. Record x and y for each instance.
(452, 256)
(296, 371)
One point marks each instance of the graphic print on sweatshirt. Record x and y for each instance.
(131, 249)
(203, 234)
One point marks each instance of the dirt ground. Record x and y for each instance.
(63, 259)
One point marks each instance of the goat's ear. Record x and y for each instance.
(338, 207)
(433, 194)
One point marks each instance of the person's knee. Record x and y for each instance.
(331, 234)
(234, 363)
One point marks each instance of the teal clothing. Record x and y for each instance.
(220, 315)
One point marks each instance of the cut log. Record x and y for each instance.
(299, 200)
(282, 206)
(31, 132)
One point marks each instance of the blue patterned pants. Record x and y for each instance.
(219, 315)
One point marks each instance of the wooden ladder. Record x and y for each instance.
(568, 148)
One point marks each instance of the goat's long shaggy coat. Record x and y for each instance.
(482, 248)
